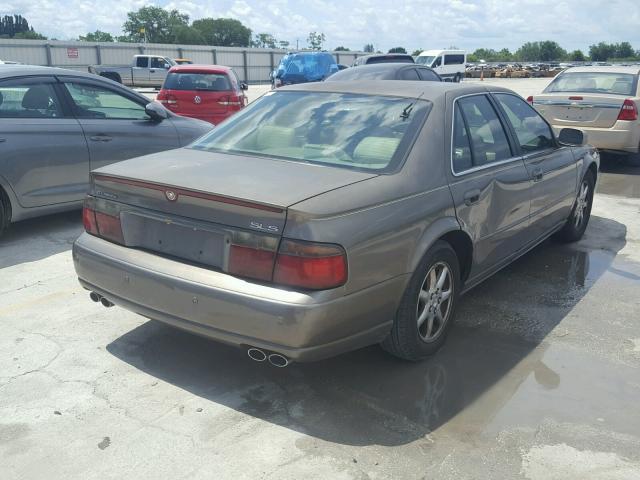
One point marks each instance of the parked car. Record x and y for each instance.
(382, 58)
(207, 92)
(8, 62)
(144, 71)
(447, 63)
(386, 71)
(601, 101)
(303, 67)
(56, 125)
(330, 216)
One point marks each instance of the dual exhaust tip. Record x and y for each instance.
(255, 354)
(274, 359)
(96, 297)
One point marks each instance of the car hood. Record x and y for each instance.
(267, 181)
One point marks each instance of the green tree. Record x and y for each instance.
(486, 54)
(417, 52)
(30, 35)
(504, 55)
(341, 49)
(397, 50)
(283, 44)
(11, 25)
(154, 24)
(315, 40)
(223, 32)
(601, 52)
(624, 50)
(368, 48)
(576, 56)
(264, 40)
(188, 36)
(97, 36)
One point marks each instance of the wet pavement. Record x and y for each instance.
(539, 378)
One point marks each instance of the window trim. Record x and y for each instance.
(507, 132)
(67, 113)
(523, 154)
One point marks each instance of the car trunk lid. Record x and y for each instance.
(587, 110)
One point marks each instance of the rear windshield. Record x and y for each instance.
(311, 66)
(361, 132)
(594, 82)
(390, 59)
(212, 82)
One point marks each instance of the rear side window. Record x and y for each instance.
(211, 82)
(428, 75)
(409, 74)
(532, 131)
(142, 62)
(483, 132)
(28, 100)
(454, 59)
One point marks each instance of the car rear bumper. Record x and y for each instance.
(303, 326)
(622, 136)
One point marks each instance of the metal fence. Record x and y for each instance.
(251, 64)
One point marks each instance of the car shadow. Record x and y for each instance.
(37, 238)
(367, 397)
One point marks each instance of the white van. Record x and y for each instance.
(450, 64)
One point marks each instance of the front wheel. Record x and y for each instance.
(427, 306)
(577, 222)
(457, 78)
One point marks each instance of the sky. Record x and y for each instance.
(413, 24)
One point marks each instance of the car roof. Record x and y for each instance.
(195, 67)
(633, 69)
(433, 91)
(388, 69)
(8, 71)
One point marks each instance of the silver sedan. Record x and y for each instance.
(327, 217)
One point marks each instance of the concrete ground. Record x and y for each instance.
(539, 379)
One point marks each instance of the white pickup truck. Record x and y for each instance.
(144, 71)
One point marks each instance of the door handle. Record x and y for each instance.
(152, 70)
(536, 174)
(2, 140)
(101, 138)
(472, 197)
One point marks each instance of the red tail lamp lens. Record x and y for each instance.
(251, 262)
(629, 111)
(109, 227)
(310, 265)
(530, 99)
(89, 220)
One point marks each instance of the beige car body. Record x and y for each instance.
(596, 114)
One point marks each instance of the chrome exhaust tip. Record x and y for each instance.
(105, 303)
(94, 297)
(256, 354)
(278, 360)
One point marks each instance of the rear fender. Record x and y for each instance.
(431, 235)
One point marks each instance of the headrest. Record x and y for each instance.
(375, 150)
(36, 98)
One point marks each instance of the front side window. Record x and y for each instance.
(364, 132)
(20, 99)
(486, 135)
(534, 134)
(92, 101)
(437, 62)
(159, 62)
(210, 82)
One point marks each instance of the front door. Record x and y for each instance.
(552, 168)
(490, 184)
(158, 71)
(43, 152)
(116, 125)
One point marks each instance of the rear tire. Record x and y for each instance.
(5, 212)
(457, 78)
(426, 310)
(577, 222)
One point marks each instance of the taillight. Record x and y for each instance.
(530, 99)
(314, 266)
(102, 225)
(229, 101)
(89, 220)
(167, 99)
(629, 111)
(251, 262)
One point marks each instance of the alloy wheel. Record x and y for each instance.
(434, 302)
(582, 205)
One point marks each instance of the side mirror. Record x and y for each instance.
(244, 86)
(156, 111)
(571, 137)
(167, 66)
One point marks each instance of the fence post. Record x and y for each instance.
(180, 52)
(48, 49)
(141, 49)
(246, 66)
(98, 55)
(272, 61)
(337, 58)
(215, 56)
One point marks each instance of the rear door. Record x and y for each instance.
(490, 183)
(115, 123)
(43, 152)
(140, 72)
(552, 168)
